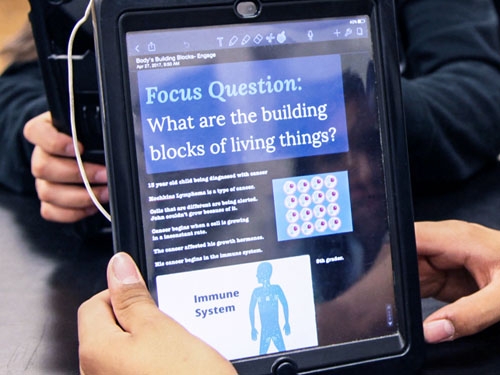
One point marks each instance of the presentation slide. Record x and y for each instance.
(242, 112)
(222, 147)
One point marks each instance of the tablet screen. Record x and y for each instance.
(262, 184)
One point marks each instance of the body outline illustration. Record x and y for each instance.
(267, 298)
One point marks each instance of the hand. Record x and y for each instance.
(122, 331)
(57, 177)
(459, 262)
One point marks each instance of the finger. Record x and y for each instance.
(69, 196)
(437, 238)
(48, 167)
(40, 131)
(466, 316)
(455, 242)
(454, 245)
(444, 284)
(68, 203)
(65, 215)
(134, 308)
(137, 314)
(96, 315)
(431, 280)
(97, 330)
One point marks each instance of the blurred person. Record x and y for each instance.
(22, 97)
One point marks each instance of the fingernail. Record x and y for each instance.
(439, 331)
(70, 150)
(104, 196)
(124, 269)
(101, 176)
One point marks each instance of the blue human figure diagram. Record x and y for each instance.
(268, 298)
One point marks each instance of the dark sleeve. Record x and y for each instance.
(22, 97)
(451, 88)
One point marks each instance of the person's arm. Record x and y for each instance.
(122, 331)
(22, 97)
(459, 262)
(450, 87)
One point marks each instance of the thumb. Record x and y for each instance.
(132, 304)
(464, 317)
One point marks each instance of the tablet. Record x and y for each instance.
(259, 177)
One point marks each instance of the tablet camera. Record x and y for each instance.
(247, 9)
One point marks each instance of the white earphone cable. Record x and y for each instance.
(72, 112)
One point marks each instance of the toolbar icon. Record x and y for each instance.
(258, 39)
(245, 39)
(233, 40)
(151, 47)
(270, 38)
(281, 38)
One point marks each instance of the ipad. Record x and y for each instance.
(259, 177)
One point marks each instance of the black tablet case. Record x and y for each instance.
(125, 210)
(52, 23)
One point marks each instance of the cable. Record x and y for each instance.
(72, 112)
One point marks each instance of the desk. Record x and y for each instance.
(47, 270)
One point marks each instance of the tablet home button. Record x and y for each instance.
(284, 366)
